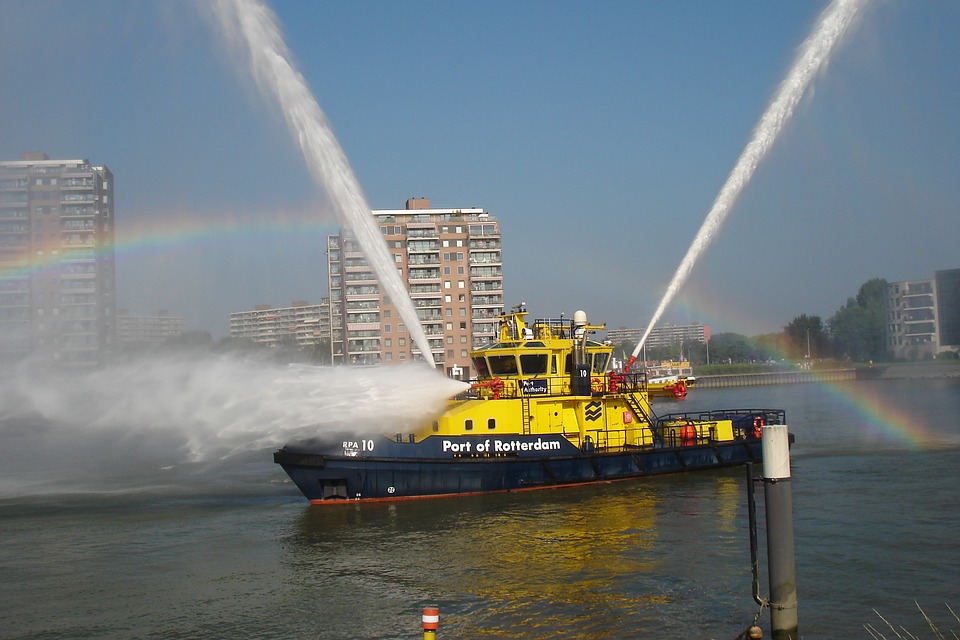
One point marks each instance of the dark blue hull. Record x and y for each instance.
(323, 477)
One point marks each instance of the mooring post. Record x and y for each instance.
(430, 617)
(780, 555)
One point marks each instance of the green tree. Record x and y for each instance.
(806, 336)
(770, 346)
(731, 348)
(859, 327)
(320, 352)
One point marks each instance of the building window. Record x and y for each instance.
(386, 328)
(460, 284)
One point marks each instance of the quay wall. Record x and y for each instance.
(774, 377)
(888, 371)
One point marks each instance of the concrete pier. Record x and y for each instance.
(773, 377)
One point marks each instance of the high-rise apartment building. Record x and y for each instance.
(57, 277)
(139, 330)
(923, 316)
(450, 260)
(301, 324)
(663, 336)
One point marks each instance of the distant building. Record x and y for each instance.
(302, 324)
(151, 329)
(450, 260)
(923, 316)
(662, 336)
(57, 275)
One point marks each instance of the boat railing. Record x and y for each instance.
(552, 385)
(663, 435)
(745, 421)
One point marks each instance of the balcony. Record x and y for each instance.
(480, 301)
(487, 286)
(422, 246)
(481, 245)
(485, 257)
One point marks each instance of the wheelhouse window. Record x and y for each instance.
(533, 364)
(600, 362)
(503, 365)
(481, 366)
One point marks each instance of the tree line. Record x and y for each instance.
(855, 333)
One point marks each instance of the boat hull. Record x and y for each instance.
(337, 478)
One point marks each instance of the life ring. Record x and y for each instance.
(757, 426)
(596, 385)
(688, 434)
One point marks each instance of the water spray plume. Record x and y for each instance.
(253, 27)
(835, 21)
(194, 408)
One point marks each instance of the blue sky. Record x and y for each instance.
(598, 133)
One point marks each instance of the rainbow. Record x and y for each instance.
(878, 414)
(145, 233)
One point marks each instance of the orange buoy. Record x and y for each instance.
(688, 435)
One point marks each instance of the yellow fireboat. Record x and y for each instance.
(544, 411)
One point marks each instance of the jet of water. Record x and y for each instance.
(187, 407)
(253, 27)
(834, 22)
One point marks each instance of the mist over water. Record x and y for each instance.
(166, 411)
(252, 27)
(835, 21)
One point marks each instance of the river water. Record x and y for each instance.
(233, 551)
